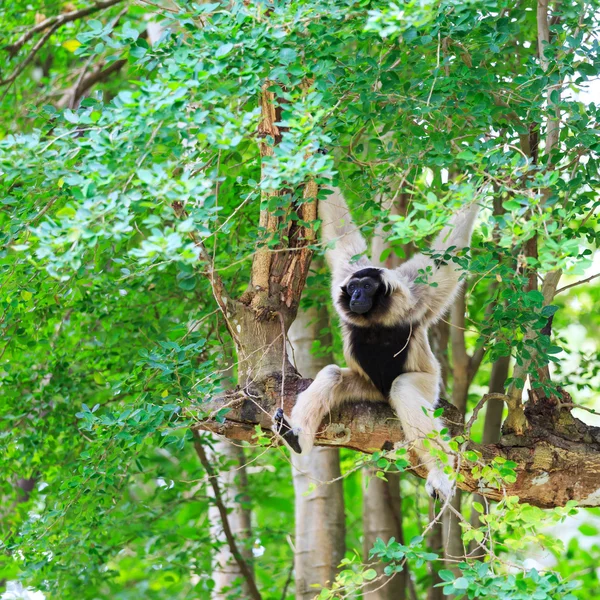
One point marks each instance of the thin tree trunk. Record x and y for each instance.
(492, 426)
(382, 518)
(233, 484)
(461, 380)
(439, 336)
(435, 542)
(382, 503)
(320, 518)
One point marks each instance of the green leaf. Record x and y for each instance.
(461, 583)
(223, 50)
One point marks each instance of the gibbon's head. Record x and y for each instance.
(369, 297)
(363, 290)
(364, 293)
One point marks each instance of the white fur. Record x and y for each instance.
(331, 386)
(416, 303)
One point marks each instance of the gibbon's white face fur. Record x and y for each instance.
(385, 316)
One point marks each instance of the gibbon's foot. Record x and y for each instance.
(438, 485)
(284, 430)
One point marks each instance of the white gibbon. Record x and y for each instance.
(385, 315)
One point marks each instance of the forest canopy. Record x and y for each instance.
(162, 293)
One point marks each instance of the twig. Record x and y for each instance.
(83, 83)
(287, 582)
(239, 559)
(216, 283)
(482, 402)
(437, 68)
(147, 2)
(574, 405)
(58, 20)
(566, 287)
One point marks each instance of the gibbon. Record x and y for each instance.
(385, 315)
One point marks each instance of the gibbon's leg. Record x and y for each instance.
(332, 386)
(410, 394)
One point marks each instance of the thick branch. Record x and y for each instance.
(557, 461)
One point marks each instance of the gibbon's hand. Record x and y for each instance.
(284, 430)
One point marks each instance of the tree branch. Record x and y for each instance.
(21, 67)
(72, 95)
(237, 555)
(571, 285)
(57, 21)
(557, 460)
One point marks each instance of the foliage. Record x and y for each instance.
(110, 338)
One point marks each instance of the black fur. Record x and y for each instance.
(285, 431)
(374, 347)
(381, 299)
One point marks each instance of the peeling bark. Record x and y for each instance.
(262, 316)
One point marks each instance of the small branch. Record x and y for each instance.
(72, 95)
(57, 21)
(287, 582)
(480, 405)
(21, 67)
(239, 559)
(475, 362)
(216, 283)
(571, 405)
(572, 285)
(85, 82)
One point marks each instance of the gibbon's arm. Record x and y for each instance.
(342, 237)
(446, 277)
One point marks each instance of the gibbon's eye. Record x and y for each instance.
(367, 286)
(351, 287)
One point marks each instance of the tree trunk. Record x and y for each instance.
(435, 541)
(492, 426)
(320, 518)
(382, 518)
(461, 381)
(382, 503)
(233, 483)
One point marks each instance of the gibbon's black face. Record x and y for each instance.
(362, 292)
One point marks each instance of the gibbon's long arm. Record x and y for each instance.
(437, 298)
(339, 227)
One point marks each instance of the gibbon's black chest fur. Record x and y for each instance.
(375, 349)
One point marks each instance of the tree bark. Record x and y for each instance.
(558, 459)
(320, 518)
